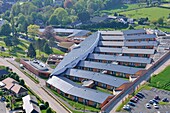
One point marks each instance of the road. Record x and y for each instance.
(36, 88)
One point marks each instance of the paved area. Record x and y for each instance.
(2, 107)
(149, 95)
(36, 88)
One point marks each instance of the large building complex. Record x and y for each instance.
(106, 59)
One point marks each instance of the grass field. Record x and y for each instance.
(153, 13)
(166, 5)
(162, 80)
(123, 7)
(19, 50)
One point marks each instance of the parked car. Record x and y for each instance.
(126, 107)
(132, 100)
(148, 106)
(155, 106)
(136, 97)
(151, 101)
(157, 97)
(131, 104)
(165, 100)
(139, 96)
(155, 101)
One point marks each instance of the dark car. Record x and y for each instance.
(131, 104)
(157, 97)
(139, 96)
(155, 101)
(165, 100)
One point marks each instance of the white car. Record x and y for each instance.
(155, 106)
(148, 105)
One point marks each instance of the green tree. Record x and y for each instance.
(161, 21)
(53, 20)
(47, 49)
(33, 30)
(48, 110)
(48, 2)
(46, 104)
(8, 42)
(31, 51)
(22, 82)
(84, 16)
(5, 29)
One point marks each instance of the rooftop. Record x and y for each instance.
(99, 77)
(111, 67)
(68, 87)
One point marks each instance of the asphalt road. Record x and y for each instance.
(36, 88)
(2, 107)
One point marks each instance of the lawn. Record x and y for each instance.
(162, 80)
(166, 5)
(153, 13)
(122, 7)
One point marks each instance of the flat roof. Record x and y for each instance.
(124, 50)
(134, 31)
(120, 58)
(111, 32)
(39, 65)
(99, 77)
(132, 37)
(111, 67)
(67, 86)
(122, 43)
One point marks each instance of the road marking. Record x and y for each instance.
(165, 106)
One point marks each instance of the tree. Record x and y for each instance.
(33, 30)
(48, 110)
(68, 4)
(131, 27)
(47, 49)
(46, 104)
(84, 16)
(5, 29)
(53, 20)
(22, 82)
(62, 15)
(31, 51)
(48, 32)
(160, 21)
(8, 42)
(48, 2)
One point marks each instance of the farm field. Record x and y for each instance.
(161, 80)
(153, 13)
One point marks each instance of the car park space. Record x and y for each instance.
(148, 103)
(153, 101)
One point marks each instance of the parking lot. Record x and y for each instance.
(149, 95)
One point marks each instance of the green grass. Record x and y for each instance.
(56, 51)
(78, 106)
(163, 103)
(162, 80)
(122, 7)
(104, 90)
(166, 5)
(148, 12)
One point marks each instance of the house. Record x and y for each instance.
(30, 104)
(14, 87)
